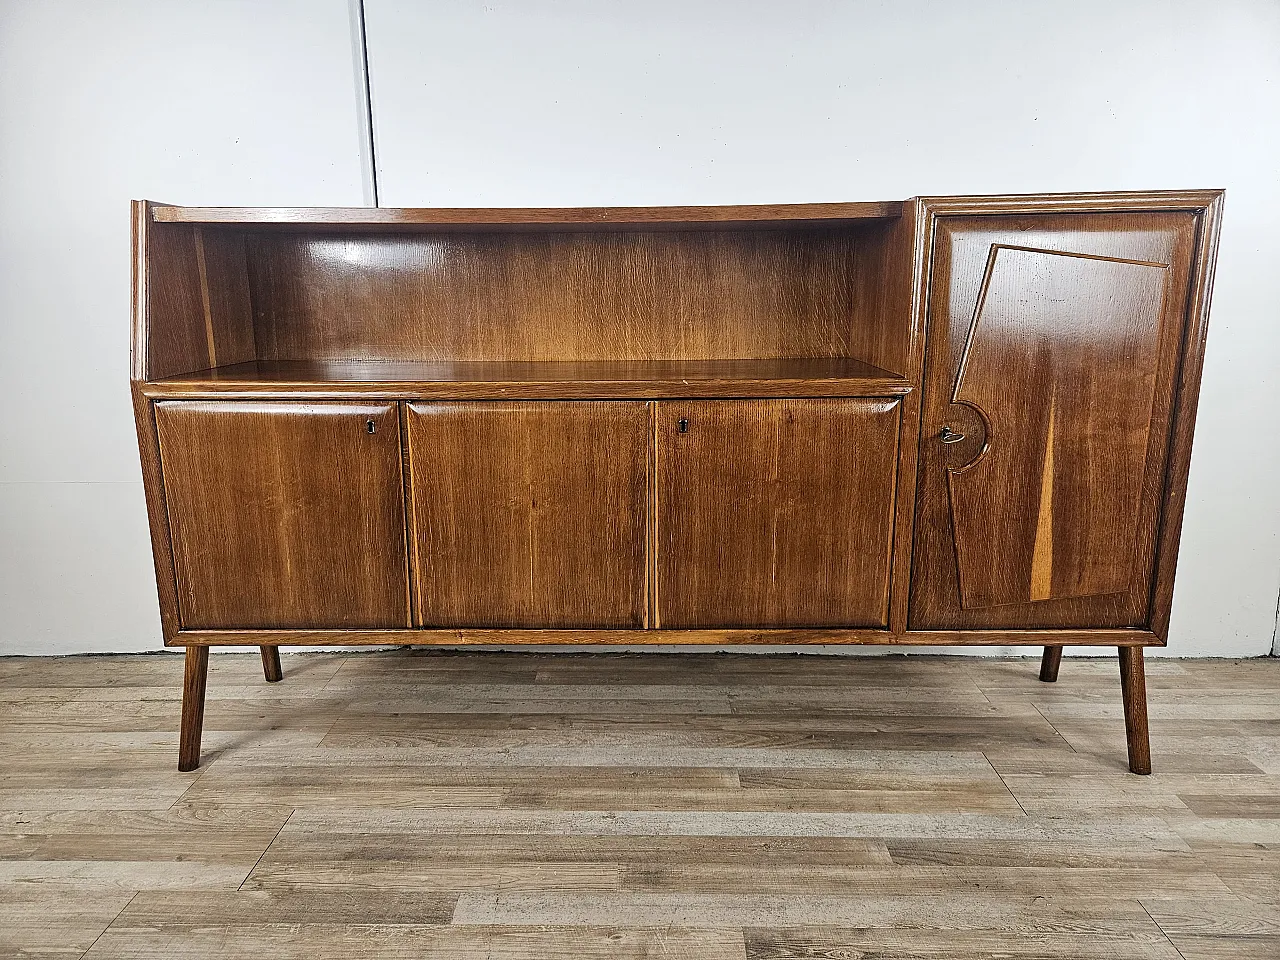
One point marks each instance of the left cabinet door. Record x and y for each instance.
(285, 514)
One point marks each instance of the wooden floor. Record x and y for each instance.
(677, 806)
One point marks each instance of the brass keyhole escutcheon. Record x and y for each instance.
(682, 425)
(371, 426)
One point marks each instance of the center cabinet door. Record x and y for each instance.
(529, 514)
(1053, 350)
(775, 513)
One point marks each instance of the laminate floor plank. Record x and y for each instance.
(329, 941)
(526, 805)
(1123, 941)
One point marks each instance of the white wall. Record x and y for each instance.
(191, 102)
(692, 101)
(538, 102)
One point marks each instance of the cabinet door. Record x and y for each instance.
(775, 513)
(529, 514)
(285, 514)
(1053, 348)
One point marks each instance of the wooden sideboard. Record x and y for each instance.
(961, 420)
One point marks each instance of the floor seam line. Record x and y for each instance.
(1008, 790)
(1164, 933)
(1057, 732)
(292, 811)
(110, 924)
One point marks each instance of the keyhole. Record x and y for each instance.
(371, 426)
(682, 425)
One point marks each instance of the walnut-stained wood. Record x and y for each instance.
(193, 693)
(1054, 349)
(196, 310)
(697, 636)
(285, 514)
(1133, 691)
(1062, 334)
(741, 216)
(529, 514)
(271, 664)
(1050, 661)
(1060, 363)
(774, 512)
(720, 295)
(537, 380)
(1209, 225)
(157, 516)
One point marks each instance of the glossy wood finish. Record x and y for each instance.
(1054, 351)
(717, 807)
(700, 636)
(271, 664)
(285, 514)
(157, 516)
(743, 216)
(1050, 661)
(192, 723)
(1062, 334)
(529, 514)
(537, 380)
(774, 513)
(192, 302)
(719, 295)
(1133, 689)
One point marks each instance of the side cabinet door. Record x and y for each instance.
(775, 513)
(1053, 348)
(285, 514)
(529, 514)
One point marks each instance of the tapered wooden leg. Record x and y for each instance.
(1049, 664)
(1133, 687)
(192, 708)
(271, 664)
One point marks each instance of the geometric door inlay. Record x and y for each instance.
(1060, 361)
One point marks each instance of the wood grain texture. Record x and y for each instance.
(1050, 662)
(271, 664)
(805, 636)
(1060, 363)
(729, 216)
(720, 295)
(1133, 687)
(195, 300)
(285, 514)
(157, 515)
(1208, 227)
(536, 380)
(774, 512)
(1009, 331)
(883, 276)
(824, 829)
(529, 514)
(193, 695)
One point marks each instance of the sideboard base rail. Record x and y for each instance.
(701, 637)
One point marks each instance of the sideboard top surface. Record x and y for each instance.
(538, 218)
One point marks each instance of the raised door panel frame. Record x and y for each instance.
(774, 513)
(1206, 207)
(529, 514)
(325, 476)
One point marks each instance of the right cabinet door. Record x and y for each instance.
(1051, 364)
(774, 513)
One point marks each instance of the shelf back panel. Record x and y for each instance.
(761, 294)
